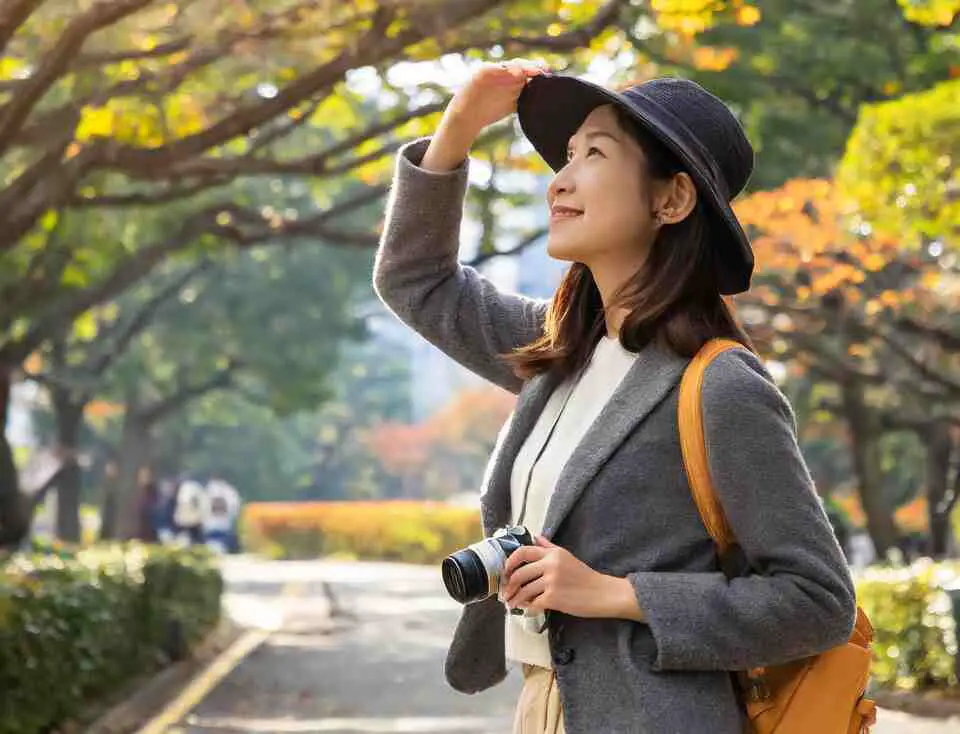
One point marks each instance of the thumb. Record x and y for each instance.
(544, 543)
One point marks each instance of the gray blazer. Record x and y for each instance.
(623, 506)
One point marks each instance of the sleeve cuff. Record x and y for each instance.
(411, 156)
(665, 599)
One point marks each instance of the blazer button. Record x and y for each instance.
(563, 656)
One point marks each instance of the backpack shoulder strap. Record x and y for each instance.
(694, 448)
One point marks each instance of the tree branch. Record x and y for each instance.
(571, 40)
(951, 386)
(57, 61)
(163, 408)
(372, 47)
(115, 57)
(946, 339)
(14, 14)
(43, 187)
(141, 319)
(314, 165)
(527, 240)
(148, 198)
(232, 223)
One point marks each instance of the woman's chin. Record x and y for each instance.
(560, 250)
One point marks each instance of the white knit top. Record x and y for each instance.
(607, 367)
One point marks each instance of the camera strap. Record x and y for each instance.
(526, 489)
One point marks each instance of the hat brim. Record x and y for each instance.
(551, 109)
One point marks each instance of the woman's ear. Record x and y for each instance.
(675, 199)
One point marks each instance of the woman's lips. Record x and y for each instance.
(563, 214)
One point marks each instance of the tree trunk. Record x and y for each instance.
(14, 510)
(864, 445)
(133, 456)
(108, 502)
(939, 449)
(69, 417)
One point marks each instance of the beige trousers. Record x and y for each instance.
(538, 710)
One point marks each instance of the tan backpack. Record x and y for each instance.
(824, 693)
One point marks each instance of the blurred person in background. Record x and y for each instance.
(164, 510)
(221, 512)
(189, 512)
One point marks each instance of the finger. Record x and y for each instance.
(527, 594)
(538, 605)
(522, 69)
(521, 576)
(524, 554)
(544, 543)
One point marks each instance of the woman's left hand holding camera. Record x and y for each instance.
(545, 576)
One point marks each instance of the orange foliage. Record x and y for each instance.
(468, 424)
(400, 530)
(804, 228)
(909, 518)
(102, 409)
(400, 448)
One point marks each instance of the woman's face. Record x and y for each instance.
(605, 183)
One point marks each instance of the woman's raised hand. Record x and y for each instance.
(489, 96)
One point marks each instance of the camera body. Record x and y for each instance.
(473, 573)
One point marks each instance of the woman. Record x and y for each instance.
(642, 626)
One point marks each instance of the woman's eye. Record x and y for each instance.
(592, 149)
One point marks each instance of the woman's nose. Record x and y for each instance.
(560, 184)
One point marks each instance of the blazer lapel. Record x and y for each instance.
(651, 378)
(495, 498)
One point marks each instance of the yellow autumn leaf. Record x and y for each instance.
(707, 58)
(95, 122)
(85, 327)
(874, 262)
(748, 15)
(10, 68)
(890, 298)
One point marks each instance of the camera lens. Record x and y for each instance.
(473, 573)
(464, 576)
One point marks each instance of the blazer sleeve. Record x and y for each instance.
(799, 598)
(418, 277)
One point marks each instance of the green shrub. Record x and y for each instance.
(77, 624)
(911, 614)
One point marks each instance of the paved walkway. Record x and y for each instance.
(367, 658)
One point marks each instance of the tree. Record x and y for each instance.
(75, 366)
(901, 167)
(130, 106)
(445, 454)
(798, 71)
(831, 298)
(259, 324)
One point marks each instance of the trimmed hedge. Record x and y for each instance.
(76, 625)
(915, 641)
(398, 530)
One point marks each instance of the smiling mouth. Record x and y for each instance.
(563, 215)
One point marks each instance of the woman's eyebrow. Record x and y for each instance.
(598, 133)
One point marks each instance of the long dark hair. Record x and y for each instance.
(673, 299)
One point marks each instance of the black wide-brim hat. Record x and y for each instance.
(688, 120)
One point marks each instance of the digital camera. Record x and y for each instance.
(473, 574)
